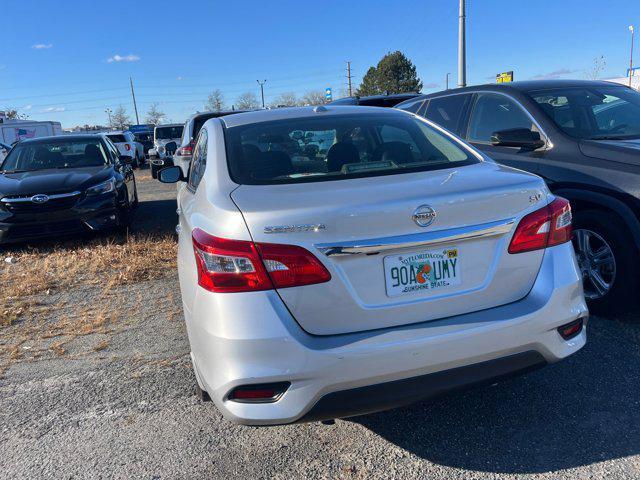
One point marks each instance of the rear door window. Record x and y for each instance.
(494, 112)
(412, 106)
(447, 111)
(198, 161)
(117, 138)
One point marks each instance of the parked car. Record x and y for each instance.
(146, 140)
(127, 145)
(64, 185)
(4, 150)
(164, 134)
(192, 127)
(399, 264)
(388, 100)
(583, 138)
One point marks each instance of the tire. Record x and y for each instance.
(125, 214)
(135, 202)
(610, 279)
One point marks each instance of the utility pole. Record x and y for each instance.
(349, 78)
(447, 80)
(108, 112)
(462, 48)
(135, 106)
(632, 30)
(262, 89)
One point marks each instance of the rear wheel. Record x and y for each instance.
(608, 260)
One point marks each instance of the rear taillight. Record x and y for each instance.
(186, 150)
(127, 147)
(226, 266)
(549, 226)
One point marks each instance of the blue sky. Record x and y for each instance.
(55, 60)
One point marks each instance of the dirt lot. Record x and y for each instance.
(95, 382)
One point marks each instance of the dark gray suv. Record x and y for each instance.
(583, 138)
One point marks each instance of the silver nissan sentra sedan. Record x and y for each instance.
(336, 261)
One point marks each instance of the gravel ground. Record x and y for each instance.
(129, 410)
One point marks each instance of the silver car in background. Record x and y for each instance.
(335, 261)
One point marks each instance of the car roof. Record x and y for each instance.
(284, 113)
(116, 132)
(527, 86)
(222, 113)
(170, 125)
(62, 138)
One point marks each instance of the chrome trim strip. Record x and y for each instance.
(28, 199)
(427, 239)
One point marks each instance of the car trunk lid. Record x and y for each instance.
(386, 269)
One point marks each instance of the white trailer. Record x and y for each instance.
(12, 131)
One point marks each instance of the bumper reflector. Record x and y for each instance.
(258, 393)
(570, 330)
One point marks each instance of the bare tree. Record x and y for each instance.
(247, 101)
(155, 115)
(599, 64)
(120, 119)
(313, 97)
(13, 114)
(215, 102)
(286, 99)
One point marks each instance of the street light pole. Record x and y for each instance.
(262, 89)
(631, 29)
(447, 80)
(108, 112)
(462, 47)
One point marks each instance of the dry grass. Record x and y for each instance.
(35, 318)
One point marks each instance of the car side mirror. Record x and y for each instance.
(517, 137)
(171, 175)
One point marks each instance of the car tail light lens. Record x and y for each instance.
(258, 393)
(549, 226)
(187, 150)
(127, 147)
(226, 266)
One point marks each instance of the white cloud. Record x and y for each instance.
(27, 107)
(180, 78)
(125, 58)
(42, 46)
(53, 109)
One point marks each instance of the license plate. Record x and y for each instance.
(422, 271)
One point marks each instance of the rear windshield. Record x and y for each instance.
(166, 133)
(55, 154)
(143, 137)
(337, 147)
(117, 138)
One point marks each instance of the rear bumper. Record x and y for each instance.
(246, 339)
(384, 396)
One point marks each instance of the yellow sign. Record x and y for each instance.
(504, 77)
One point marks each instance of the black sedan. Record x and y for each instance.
(583, 138)
(64, 185)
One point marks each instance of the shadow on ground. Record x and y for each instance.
(583, 410)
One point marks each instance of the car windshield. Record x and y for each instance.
(166, 133)
(117, 138)
(595, 113)
(338, 147)
(55, 154)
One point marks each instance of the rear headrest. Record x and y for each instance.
(340, 154)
